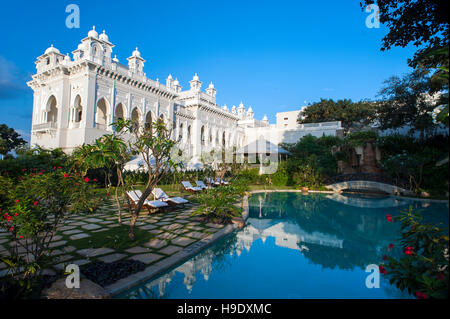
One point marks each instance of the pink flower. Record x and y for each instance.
(86, 179)
(66, 175)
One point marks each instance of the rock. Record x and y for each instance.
(87, 290)
(305, 189)
(425, 194)
(238, 221)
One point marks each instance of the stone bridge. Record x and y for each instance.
(369, 186)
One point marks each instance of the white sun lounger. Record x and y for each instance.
(188, 186)
(161, 195)
(211, 181)
(151, 205)
(202, 185)
(222, 182)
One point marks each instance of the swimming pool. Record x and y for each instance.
(295, 246)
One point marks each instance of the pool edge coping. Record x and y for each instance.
(158, 268)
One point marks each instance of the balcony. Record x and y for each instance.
(45, 127)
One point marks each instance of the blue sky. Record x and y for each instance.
(273, 55)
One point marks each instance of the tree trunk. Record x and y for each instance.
(119, 182)
(131, 234)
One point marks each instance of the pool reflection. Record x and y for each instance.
(330, 239)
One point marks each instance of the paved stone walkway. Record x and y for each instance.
(172, 231)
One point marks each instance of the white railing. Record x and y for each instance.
(45, 126)
(103, 127)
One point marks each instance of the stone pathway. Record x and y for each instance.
(171, 232)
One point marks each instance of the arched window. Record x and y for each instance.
(119, 112)
(189, 134)
(52, 110)
(101, 117)
(180, 132)
(78, 110)
(135, 116)
(148, 120)
(202, 135)
(223, 139)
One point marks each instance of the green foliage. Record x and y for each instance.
(9, 139)
(406, 159)
(36, 159)
(35, 204)
(405, 104)
(351, 114)
(423, 268)
(281, 176)
(360, 138)
(218, 204)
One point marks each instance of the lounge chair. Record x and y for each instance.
(188, 186)
(202, 185)
(150, 205)
(173, 201)
(212, 182)
(222, 182)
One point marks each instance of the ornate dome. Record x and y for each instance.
(195, 78)
(93, 33)
(211, 85)
(52, 49)
(104, 37)
(136, 53)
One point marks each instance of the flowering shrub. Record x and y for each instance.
(31, 209)
(423, 268)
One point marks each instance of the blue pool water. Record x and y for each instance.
(295, 246)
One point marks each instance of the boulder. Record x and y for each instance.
(87, 290)
(238, 221)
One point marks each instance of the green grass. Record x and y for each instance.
(115, 238)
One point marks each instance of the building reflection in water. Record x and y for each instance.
(331, 232)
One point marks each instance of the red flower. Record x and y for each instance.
(40, 173)
(9, 218)
(54, 167)
(17, 200)
(20, 237)
(390, 246)
(66, 175)
(382, 270)
(107, 194)
(76, 184)
(385, 257)
(421, 295)
(17, 214)
(440, 276)
(95, 180)
(24, 169)
(86, 179)
(389, 217)
(409, 250)
(59, 167)
(35, 203)
(11, 229)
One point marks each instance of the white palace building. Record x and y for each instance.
(76, 98)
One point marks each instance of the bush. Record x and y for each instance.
(423, 268)
(32, 207)
(219, 204)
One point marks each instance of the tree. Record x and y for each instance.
(406, 102)
(154, 144)
(9, 139)
(351, 114)
(424, 23)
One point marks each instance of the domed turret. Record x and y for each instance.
(93, 33)
(115, 59)
(233, 109)
(52, 49)
(136, 53)
(104, 37)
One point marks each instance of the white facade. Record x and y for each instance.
(77, 98)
